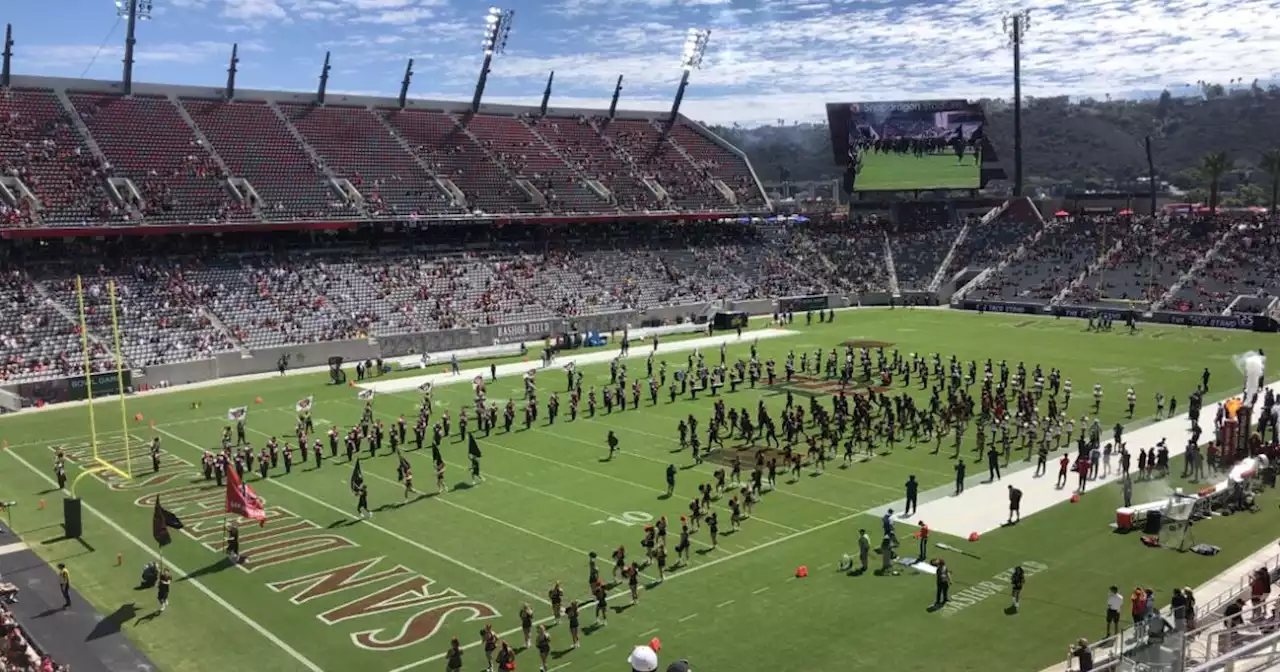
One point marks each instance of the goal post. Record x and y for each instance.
(102, 464)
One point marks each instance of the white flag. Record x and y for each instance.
(304, 406)
(364, 395)
(237, 414)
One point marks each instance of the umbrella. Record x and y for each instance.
(1062, 213)
(1125, 213)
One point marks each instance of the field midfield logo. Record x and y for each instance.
(983, 589)
(1125, 375)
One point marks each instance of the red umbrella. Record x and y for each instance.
(1126, 212)
(1062, 213)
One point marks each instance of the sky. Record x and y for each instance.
(766, 60)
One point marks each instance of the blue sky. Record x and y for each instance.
(767, 59)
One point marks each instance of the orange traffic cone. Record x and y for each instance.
(1075, 497)
(137, 417)
(802, 571)
(973, 536)
(656, 645)
(351, 383)
(257, 400)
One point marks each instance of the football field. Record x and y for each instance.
(905, 172)
(326, 590)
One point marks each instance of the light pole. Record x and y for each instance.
(132, 11)
(1015, 26)
(497, 28)
(695, 46)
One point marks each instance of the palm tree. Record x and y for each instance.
(1271, 164)
(1213, 166)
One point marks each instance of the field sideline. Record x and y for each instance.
(324, 590)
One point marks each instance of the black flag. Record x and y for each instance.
(161, 521)
(473, 448)
(357, 476)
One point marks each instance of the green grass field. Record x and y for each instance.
(325, 591)
(904, 172)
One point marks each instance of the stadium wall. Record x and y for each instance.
(1260, 323)
(266, 360)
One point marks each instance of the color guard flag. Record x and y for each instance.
(364, 395)
(304, 406)
(237, 414)
(425, 387)
(161, 521)
(357, 476)
(242, 500)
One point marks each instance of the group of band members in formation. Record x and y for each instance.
(854, 421)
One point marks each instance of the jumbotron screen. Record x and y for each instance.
(909, 145)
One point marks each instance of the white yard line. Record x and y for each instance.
(690, 617)
(187, 577)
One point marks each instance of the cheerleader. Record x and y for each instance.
(556, 596)
(544, 647)
(440, 488)
(571, 612)
(526, 624)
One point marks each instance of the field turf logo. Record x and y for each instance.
(370, 585)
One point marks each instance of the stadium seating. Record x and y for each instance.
(578, 142)
(145, 139)
(1246, 265)
(39, 145)
(356, 146)
(685, 182)
(1153, 258)
(917, 254)
(38, 341)
(257, 146)
(447, 149)
(720, 163)
(988, 244)
(1062, 254)
(523, 154)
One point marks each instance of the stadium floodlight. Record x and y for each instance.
(1016, 24)
(695, 46)
(143, 9)
(497, 27)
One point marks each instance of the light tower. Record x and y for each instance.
(132, 11)
(497, 28)
(5, 65)
(695, 46)
(1016, 25)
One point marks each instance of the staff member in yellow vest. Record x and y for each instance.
(64, 583)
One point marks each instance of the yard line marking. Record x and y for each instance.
(187, 577)
(759, 590)
(724, 604)
(12, 548)
(647, 632)
(705, 470)
(826, 566)
(499, 521)
(391, 533)
(689, 617)
(561, 666)
(607, 648)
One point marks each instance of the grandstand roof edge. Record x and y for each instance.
(306, 97)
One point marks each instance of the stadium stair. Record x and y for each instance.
(240, 187)
(85, 135)
(940, 275)
(65, 311)
(340, 185)
(993, 271)
(531, 192)
(725, 192)
(888, 264)
(456, 197)
(217, 322)
(593, 185)
(1199, 265)
(1093, 267)
(653, 187)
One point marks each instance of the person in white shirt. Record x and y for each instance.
(1114, 602)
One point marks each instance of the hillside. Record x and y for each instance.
(1086, 144)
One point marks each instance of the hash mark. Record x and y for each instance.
(690, 617)
(760, 590)
(724, 604)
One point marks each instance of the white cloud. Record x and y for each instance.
(397, 17)
(253, 10)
